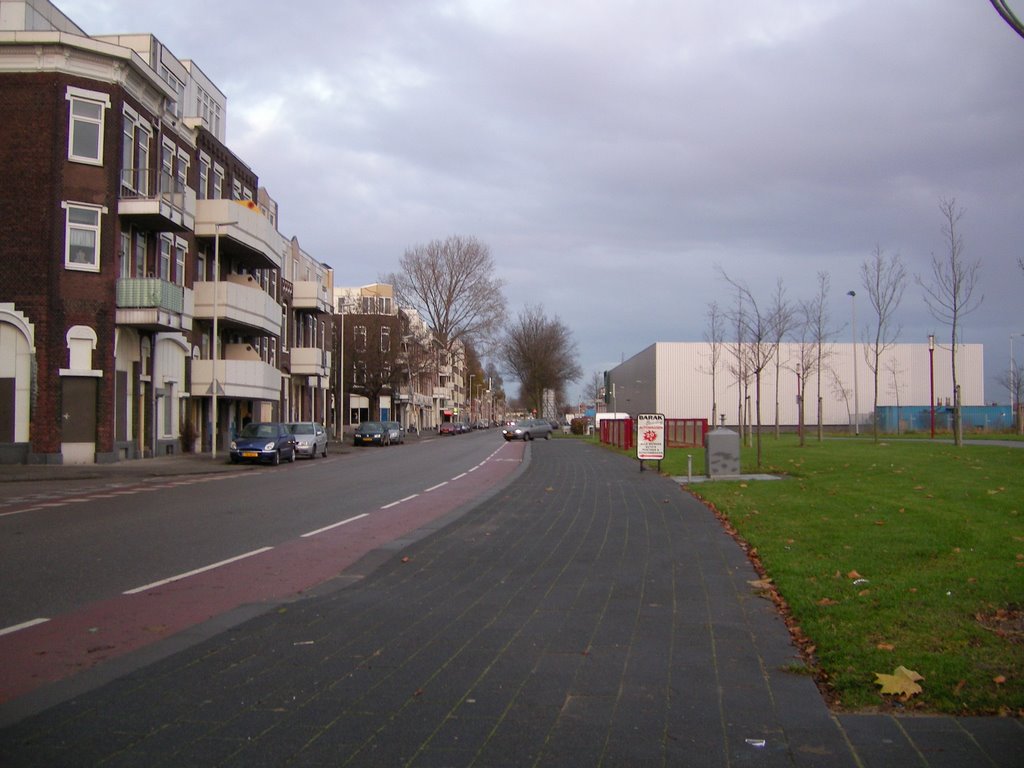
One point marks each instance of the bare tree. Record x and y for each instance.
(451, 284)
(892, 366)
(884, 279)
(714, 333)
(815, 349)
(594, 389)
(1011, 379)
(758, 328)
(950, 293)
(541, 353)
(1003, 9)
(841, 392)
(783, 318)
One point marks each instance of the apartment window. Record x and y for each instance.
(182, 172)
(385, 339)
(82, 237)
(85, 130)
(359, 372)
(143, 135)
(167, 168)
(135, 154)
(165, 257)
(140, 255)
(204, 176)
(236, 189)
(200, 266)
(175, 107)
(218, 182)
(360, 338)
(180, 251)
(126, 255)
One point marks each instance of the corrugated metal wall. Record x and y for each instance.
(674, 378)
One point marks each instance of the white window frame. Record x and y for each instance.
(81, 96)
(164, 262)
(82, 227)
(204, 176)
(385, 338)
(180, 254)
(218, 182)
(126, 253)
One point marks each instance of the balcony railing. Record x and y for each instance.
(150, 293)
(310, 361)
(247, 305)
(246, 379)
(245, 235)
(309, 294)
(171, 206)
(149, 302)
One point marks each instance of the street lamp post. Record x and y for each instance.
(931, 377)
(856, 402)
(471, 377)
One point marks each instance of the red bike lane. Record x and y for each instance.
(71, 643)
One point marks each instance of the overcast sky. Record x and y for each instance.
(616, 155)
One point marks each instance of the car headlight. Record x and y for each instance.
(233, 446)
(269, 446)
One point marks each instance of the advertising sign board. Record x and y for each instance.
(650, 436)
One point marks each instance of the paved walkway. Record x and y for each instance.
(588, 614)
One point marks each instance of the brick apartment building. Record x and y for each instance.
(148, 302)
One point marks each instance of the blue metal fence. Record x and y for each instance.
(917, 418)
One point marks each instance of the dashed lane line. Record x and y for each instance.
(205, 568)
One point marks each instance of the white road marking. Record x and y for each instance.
(23, 625)
(457, 477)
(435, 487)
(396, 503)
(205, 568)
(334, 525)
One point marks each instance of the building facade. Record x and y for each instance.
(688, 380)
(148, 302)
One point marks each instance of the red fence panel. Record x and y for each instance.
(617, 432)
(685, 433)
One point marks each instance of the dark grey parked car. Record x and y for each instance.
(527, 429)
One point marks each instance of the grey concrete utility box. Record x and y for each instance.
(722, 453)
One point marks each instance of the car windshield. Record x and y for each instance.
(370, 426)
(259, 430)
(302, 429)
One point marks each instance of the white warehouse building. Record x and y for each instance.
(675, 379)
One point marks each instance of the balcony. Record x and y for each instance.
(246, 236)
(311, 295)
(310, 361)
(153, 304)
(244, 379)
(171, 207)
(240, 301)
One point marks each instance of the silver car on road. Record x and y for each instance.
(527, 429)
(311, 438)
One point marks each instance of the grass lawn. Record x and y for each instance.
(889, 554)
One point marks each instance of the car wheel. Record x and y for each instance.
(547, 436)
(234, 459)
(277, 458)
(324, 454)
(293, 457)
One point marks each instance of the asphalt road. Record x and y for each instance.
(97, 569)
